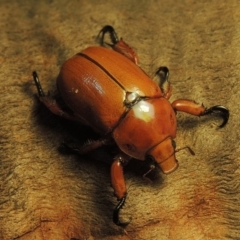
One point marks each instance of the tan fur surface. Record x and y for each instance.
(48, 195)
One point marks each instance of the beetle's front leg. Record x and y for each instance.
(119, 186)
(117, 45)
(196, 109)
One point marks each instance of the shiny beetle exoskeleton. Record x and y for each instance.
(107, 90)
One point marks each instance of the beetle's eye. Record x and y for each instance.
(174, 144)
(150, 158)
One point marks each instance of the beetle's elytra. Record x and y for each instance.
(107, 90)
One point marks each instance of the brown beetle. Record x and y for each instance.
(108, 91)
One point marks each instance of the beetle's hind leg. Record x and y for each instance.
(50, 102)
(113, 36)
(191, 107)
(117, 44)
(164, 84)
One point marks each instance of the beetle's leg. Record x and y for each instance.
(164, 84)
(117, 45)
(118, 184)
(113, 35)
(196, 109)
(49, 101)
(127, 51)
(87, 147)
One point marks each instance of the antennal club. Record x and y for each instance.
(186, 147)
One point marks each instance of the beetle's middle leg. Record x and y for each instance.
(164, 84)
(191, 107)
(87, 147)
(117, 45)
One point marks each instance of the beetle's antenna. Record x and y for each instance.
(152, 168)
(186, 147)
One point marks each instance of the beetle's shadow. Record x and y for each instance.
(100, 158)
(192, 122)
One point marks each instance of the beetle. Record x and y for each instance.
(106, 89)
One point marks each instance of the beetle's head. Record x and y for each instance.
(148, 130)
(164, 154)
